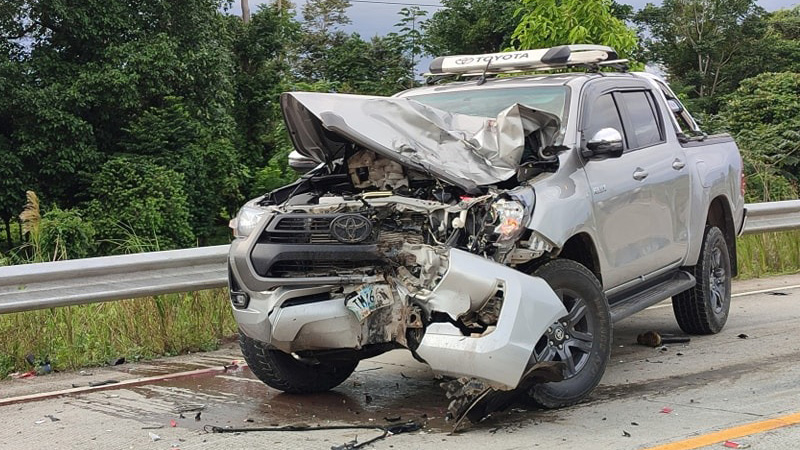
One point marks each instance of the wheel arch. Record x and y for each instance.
(720, 215)
(582, 249)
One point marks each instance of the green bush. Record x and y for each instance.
(139, 206)
(65, 234)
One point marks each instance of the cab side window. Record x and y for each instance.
(644, 126)
(604, 114)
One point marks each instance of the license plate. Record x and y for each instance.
(369, 298)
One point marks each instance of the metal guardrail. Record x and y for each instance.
(76, 282)
(772, 216)
(79, 281)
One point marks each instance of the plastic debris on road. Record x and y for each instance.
(666, 410)
(153, 437)
(732, 444)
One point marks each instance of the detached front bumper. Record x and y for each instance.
(502, 355)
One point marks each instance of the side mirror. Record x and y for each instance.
(674, 106)
(300, 163)
(605, 143)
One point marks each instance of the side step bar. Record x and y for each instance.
(679, 282)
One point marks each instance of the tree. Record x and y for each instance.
(90, 79)
(764, 116)
(471, 27)
(547, 23)
(409, 36)
(702, 44)
(138, 206)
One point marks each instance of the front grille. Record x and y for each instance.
(310, 268)
(299, 229)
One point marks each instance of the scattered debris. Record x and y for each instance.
(17, 375)
(743, 336)
(40, 421)
(666, 410)
(116, 361)
(189, 407)
(679, 354)
(153, 437)
(474, 400)
(197, 416)
(636, 424)
(625, 433)
(52, 418)
(388, 430)
(102, 383)
(367, 398)
(775, 293)
(85, 373)
(732, 444)
(393, 419)
(153, 427)
(654, 339)
(172, 423)
(404, 375)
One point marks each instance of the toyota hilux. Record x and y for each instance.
(495, 227)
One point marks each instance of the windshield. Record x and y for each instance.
(489, 102)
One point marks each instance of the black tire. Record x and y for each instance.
(585, 341)
(284, 372)
(704, 308)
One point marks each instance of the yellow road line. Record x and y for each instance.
(731, 433)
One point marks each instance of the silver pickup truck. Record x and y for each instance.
(495, 227)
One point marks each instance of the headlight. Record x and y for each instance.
(509, 217)
(246, 221)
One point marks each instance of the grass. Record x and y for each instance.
(768, 254)
(90, 335)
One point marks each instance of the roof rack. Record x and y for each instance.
(561, 57)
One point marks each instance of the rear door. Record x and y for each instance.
(640, 200)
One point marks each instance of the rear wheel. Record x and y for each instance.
(581, 339)
(704, 308)
(284, 372)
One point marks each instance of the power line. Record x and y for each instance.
(395, 3)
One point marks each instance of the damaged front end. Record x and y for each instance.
(390, 244)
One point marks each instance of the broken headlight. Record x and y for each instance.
(246, 221)
(508, 219)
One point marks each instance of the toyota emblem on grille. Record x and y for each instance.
(351, 228)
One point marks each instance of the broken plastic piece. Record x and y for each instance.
(153, 437)
(743, 336)
(172, 423)
(732, 444)
(475, 400)
(654, 339)
(666, 410)
(625, 433)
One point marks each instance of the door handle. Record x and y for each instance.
(678, 164)
(640, 174)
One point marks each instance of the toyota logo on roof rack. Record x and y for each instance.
(351, 228)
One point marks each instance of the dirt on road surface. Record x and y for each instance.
(746, 375)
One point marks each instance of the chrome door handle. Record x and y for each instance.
(640, 174)
(678, 164)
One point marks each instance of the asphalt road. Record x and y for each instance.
(746, 390)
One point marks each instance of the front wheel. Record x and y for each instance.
(581, 339)
(284, 372)
(704, 308)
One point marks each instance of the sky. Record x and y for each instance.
(377, 17)
(371, 17)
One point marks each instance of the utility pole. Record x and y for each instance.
(245, 11)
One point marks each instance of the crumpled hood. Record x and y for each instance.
(466, 151)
